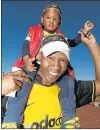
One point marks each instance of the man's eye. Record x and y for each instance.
(50, 58)
(64, 61)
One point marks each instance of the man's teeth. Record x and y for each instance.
(53, 73)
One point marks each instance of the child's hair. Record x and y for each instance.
(55, 6)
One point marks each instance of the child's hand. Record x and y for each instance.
(88, 26)
(28, 63)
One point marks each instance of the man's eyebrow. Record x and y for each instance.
(52, 53)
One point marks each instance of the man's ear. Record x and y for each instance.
(41, 19)
(39, 56)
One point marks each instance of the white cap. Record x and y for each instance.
(56, 45)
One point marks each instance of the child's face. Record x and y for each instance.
(51, 19)
(52, 67)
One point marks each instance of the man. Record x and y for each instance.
(51, 68)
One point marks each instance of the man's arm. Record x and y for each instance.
(13, 81)
(86, 91)
(97, 88)
(96, 56)
(92, 45)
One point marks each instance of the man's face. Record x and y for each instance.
(51, 19)
(52, 67)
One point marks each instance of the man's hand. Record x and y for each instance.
(13, 81)
(29, 63)
(89, 39)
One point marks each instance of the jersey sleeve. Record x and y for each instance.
(74, 42)
(25, 47)
(84, 92)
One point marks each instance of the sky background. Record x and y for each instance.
(18, 16)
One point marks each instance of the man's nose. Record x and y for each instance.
(56, 65)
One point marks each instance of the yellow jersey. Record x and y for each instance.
(43, 108)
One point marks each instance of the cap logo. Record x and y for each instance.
(54, 38)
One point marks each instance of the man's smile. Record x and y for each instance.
(52, 73)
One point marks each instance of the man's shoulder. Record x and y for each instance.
(83, 87)
(84, 92)
(84, 83)
(66, 80)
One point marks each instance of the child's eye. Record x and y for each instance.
(55, 19)
(48, 17)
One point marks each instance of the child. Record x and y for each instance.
(50, 24)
